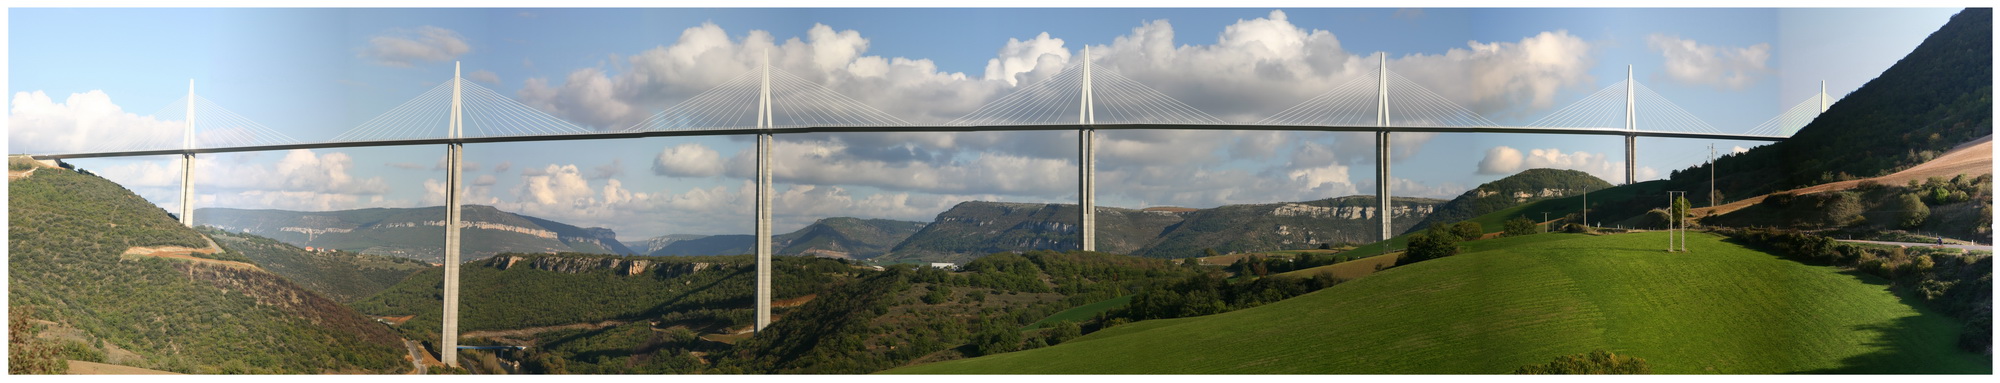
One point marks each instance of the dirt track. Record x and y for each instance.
(1971, 158)
(78, 367)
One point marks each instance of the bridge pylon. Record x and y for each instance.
(763, 203)
(454, 153)
(187, 163)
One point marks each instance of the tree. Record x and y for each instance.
(1468, 230)
(1520, 226)
(1838, 209)
(1594, 362)
(1063, 331)
(1914, 212)
(1680, 209)
(1436, 242)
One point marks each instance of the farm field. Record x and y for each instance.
(1720, 309)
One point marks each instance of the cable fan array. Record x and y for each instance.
(1059, 100)
(1784, 124)
(214, 127)
(1355, 103)
(485, 113)
(795, 102)
(1606, 110)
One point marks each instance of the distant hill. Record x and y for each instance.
(66, 236)
(1284, 226)
(649, 245)
(1527, 186)
(415, 233)
(837, 237)
(1937, 97)
(977, 228)
(344, 276)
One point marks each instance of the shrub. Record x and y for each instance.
(1576, 228)
(1063, 331)
(1437, 242)
(1468, 230)
(1594, 362)
(1520, 226)
(1913, 211)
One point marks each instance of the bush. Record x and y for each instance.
(1576, 228)
(1468, 230)
(1594, 362)
(997, 338)
(1914, 212)
(1437, 242)
(1063, 331)
(1520, 226)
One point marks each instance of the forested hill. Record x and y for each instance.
(1938, 96)
(1529, 186)
(67, 236)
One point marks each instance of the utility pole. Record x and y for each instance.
(1711, 174)
(1586, 207)
(1545, 222)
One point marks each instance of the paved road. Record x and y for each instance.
(416, 356)
(1963, 247)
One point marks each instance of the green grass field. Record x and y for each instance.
(1526, 300)
(1081, 313)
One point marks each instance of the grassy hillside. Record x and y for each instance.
(66, 231)
(1721, 309)
(341, 275)
(1527, 186)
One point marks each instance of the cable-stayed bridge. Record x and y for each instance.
(767, 101)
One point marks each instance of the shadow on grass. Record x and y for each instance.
(1925, 343)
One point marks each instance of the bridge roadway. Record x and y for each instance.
(455, 143)
(922, 129)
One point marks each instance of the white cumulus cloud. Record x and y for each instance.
(688, 160)
(1691, 62)
(404, 47)
(87, 121)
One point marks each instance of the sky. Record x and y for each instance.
(81, 78)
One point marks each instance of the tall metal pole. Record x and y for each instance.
(187, 162)
(1382, 176)
(453, 153)
(1087, 160)
(1711, 175)
(764, 198)
(1631, 125)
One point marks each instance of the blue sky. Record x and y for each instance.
(315, 73)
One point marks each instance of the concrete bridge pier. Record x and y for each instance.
(187, 189)
(764, 200)
(453, 156)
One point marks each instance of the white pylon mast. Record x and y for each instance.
(763, 184)
(454, 154)
(1087, 161)
(187, 162)
(1384, 209)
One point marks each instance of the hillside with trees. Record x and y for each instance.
(1525, 187)
(1937, 97)
(67, 232)
(342, 275)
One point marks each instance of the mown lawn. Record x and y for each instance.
(1526, 300)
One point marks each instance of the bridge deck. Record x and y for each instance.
(937, 129)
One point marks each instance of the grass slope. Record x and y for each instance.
(1721, 309)
(1082, 313)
